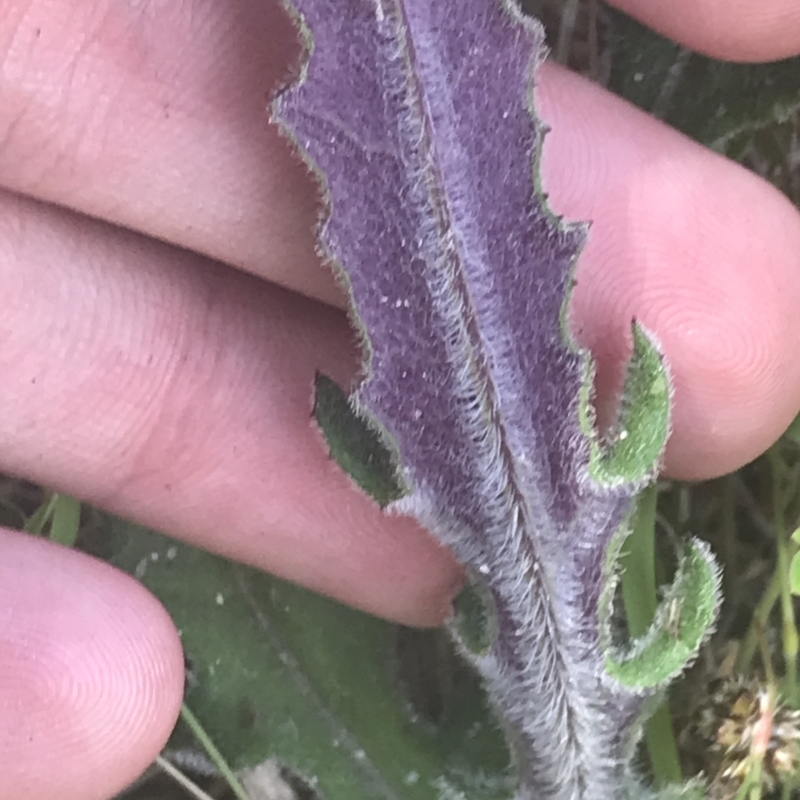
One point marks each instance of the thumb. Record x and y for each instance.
(91, 674)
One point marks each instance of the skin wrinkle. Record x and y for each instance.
(162, 168)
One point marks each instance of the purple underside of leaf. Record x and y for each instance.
(417, 116)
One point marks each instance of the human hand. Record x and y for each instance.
(171, 388)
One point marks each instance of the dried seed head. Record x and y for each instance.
(742, 724)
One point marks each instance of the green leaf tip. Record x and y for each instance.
(354, 445)
(684, 619)
(632, 450)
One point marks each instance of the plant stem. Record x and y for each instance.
(758, 622)
(217, 759)
(182, 780)
(789, 637)
(789, 628)
(566, 29)
(638, 566)
(639, 597)
(729, 535)
(751, 785)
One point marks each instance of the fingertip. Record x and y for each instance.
(91, 674)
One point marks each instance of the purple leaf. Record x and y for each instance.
(417, 116)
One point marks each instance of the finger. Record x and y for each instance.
(177, 392)
(703, 253)
(738, 30)
(91, 674)
(155, 117)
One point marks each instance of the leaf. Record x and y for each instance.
(355, 446)
(714, 102)
(66, 520)
(279, 672)
(682, 623)
(633, 453)
(416, 116)
(475, 616)
(62, 513)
